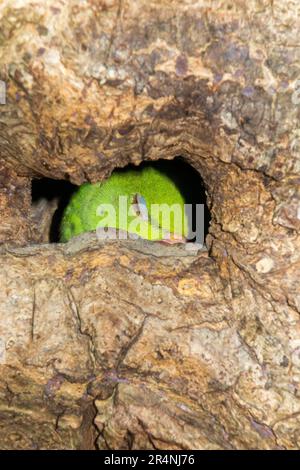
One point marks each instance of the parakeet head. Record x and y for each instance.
(143, 201)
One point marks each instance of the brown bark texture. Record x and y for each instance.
(133, 344)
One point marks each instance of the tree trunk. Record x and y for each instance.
(134, 344)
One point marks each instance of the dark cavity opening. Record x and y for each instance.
(54, 195)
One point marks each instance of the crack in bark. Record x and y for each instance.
(33, 314)
(75, 311)
(124, 351)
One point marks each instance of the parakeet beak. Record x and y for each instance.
(173, 238)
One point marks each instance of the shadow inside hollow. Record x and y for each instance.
(46, 188)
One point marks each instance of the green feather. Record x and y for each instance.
(147, 185)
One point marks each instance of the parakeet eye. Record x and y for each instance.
(140, 206)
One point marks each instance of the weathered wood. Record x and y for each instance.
(135, 344)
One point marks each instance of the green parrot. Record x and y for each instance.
(140, 201)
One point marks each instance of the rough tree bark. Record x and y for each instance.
(134, 344)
